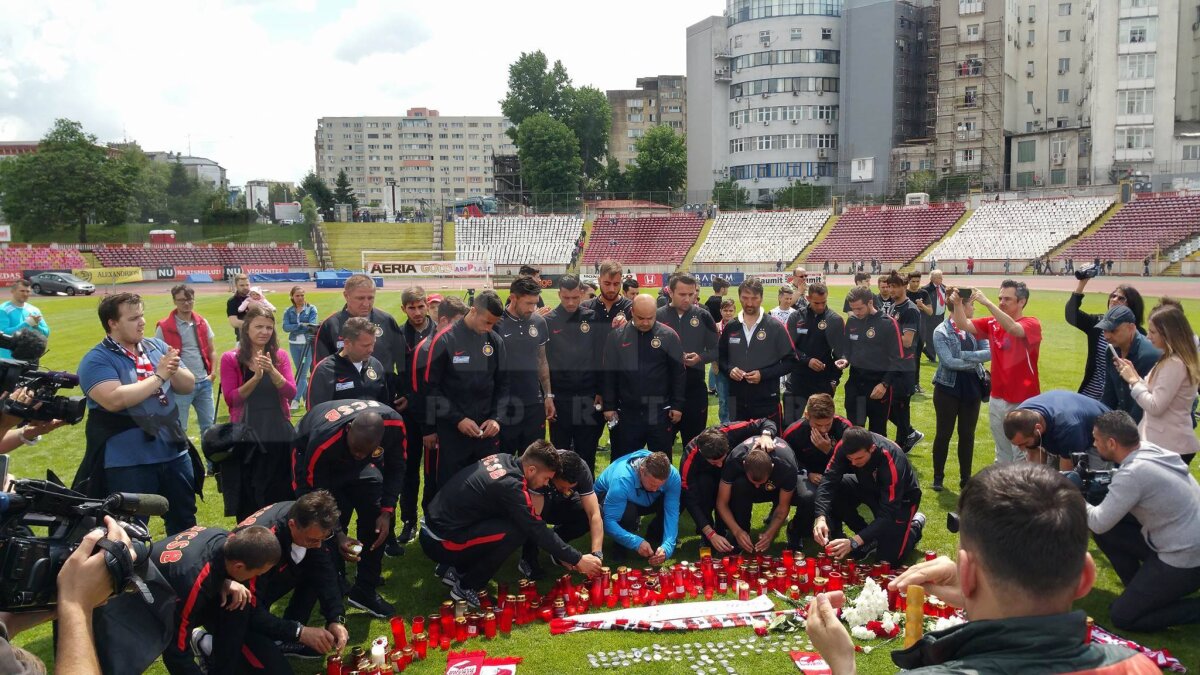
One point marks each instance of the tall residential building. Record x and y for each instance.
(763, 95)
(420, 156)
(1145, 57)
(656, 101)
(886, 75)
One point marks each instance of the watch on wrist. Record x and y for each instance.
(598, 554)
(854, 545)
(299, 630)
(549, 395)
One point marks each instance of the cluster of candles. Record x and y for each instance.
(792, 574)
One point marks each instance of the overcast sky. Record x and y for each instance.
(246, 80)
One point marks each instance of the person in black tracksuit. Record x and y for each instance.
(738, 493)
(764, 356)
(812, 440)
(818, 333)
(355, 449)
(643, 382)
(608, 307)
(908, 320)
(346, 375)
(389, 346)
(464, 385)
(412, 421)
(868, 469)
(196, 563)
(571, 354)
(306, 524)
(485, 513)
(698, 335)
(700, 473)
(874, 354)
(523, 412)
(449, 310)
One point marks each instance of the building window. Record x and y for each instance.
(1058, 176)
(1135, 66)
(1027, 151)
(1058, 147)
(1032, 36)
(1135, 102)
(1138, 4)
(972, 32)
(1064, 66)
(826, 33)
(1026, 179)
(1064, 9)
(1064, 95)
(764, 143)
(737, 41)
(969, 95)
(1137, 31)
(1191, 152)
(1064, 36)
(1029, 98)
(797, 33)
(1135, 138)
(1030, 68)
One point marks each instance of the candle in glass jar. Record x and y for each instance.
(460, 629)
(506, 619)
(743, 590)
(420, 645)
(399, 639)
(333, 665)
(835, 581)
(489, 625)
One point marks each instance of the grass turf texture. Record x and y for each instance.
(413, 589)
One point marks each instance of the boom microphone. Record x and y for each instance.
(136, 504)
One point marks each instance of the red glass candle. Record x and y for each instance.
(473, 626)
(435, 633)
(333, 665)
(506, 619)
(931, 555)
(447, 618)
(420, 645)
(597, 593)
(399, 639)
(835, 581)
(722, 584)
(489, 625)
(762, 586)
(811, 564)
(522, 609)
(444, 644)
(743, 590)
(794, 592)
(407, 659)
(460, 629)
(418, 624)
(820, 585)
(787, 558)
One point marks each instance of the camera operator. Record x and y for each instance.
(1160, 565)
(84, 583)
(135, 442)
(1021, 621)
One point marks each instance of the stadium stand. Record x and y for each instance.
(1020, 229)
(656, 240)
(886, 233)
(766, 236)
(518, 240)
(185, 255)
(1148, 225)
(16, 258)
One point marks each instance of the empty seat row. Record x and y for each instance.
(1149, 225)
(886, 233)
(661, 240)
(519, 240)
(1021, 229)
(760, 236)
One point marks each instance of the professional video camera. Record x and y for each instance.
(1089, 272)
(29, 564)
(22, 371)
(1093, 482)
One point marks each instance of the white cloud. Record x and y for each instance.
(245, 81)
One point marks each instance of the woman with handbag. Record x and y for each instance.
(300, 323)
(257, 384)
(959, 388)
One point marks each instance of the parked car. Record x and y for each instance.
(60, 282)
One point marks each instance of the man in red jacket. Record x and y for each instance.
(185, 330)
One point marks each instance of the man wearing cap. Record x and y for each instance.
(1120, 330)
(431, 302)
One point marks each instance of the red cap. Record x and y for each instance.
(434, 297)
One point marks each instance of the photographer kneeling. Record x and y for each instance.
(1160, 564)
(84, 583)
(1020, 618)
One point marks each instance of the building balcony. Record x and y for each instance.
(722, 75)
(968, 134)
(968, 7)
(1133, 154)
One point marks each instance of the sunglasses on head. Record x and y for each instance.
(1117, 296)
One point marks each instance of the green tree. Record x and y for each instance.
(343, 193)
(315, 187)
(70, 180)
(280, 193)
(308, 208)
(535, 87)
(615, 180)
(801, 196)
(180, 184)
(661, 166)
(550, 164)
(729, 196)
(590, 117)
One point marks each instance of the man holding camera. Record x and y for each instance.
(135, 442)
(1021, 621)
(1058, 422)
(1160, 564)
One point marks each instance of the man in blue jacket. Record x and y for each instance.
(639, 483)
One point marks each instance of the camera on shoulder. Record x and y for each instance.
(22, 372)
(29, 563)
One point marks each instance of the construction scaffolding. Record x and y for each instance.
(970, 110)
